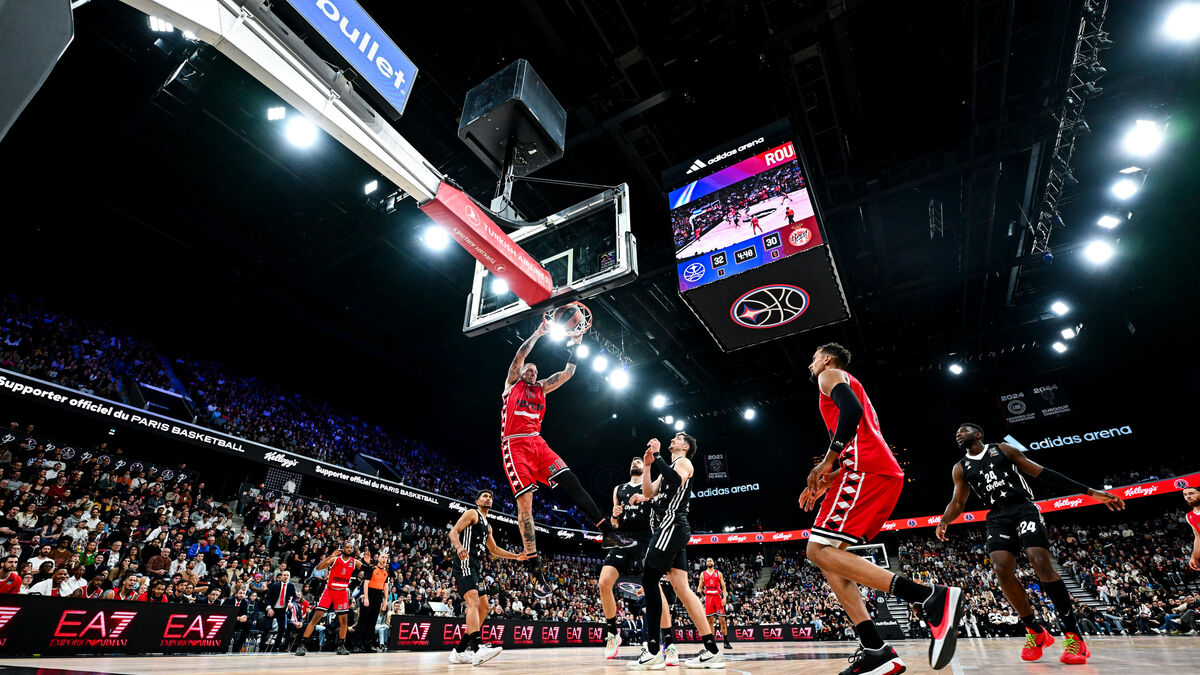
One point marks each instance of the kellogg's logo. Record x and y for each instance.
(281, 459)
(563, 534)
(933, 520)
(695, 540)
(1068, 503)
(1143, 490)
(737, 537)
(781, 536)
(889, 525)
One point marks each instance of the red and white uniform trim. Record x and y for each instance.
(527, 458)
(336, 596)
(712, 593)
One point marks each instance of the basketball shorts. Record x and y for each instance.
(856, 507)
(629, 560)
(335, 600)
(668, 547)
(528, 460)
(468, 577)
(713, 604)
(1012, 528)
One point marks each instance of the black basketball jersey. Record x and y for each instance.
(671, 503)
(635, 518)
(474, 539)
(995, 478)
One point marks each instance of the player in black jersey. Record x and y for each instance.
(666, 555)
(472, 539)
(993, 472)
(631, 516)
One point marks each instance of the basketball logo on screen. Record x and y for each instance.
(692, 273)
(799, 236)
(769, 306)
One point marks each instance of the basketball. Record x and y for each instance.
(567, 316)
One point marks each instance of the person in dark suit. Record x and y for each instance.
(242, 622)
(280, 594)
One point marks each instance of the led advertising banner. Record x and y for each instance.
(36, 624)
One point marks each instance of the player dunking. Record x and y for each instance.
(859, 496)
(667, 553)
(528, 459)
(472, 539)
(336, 596)
(994, 473)
(1191, 495)
(712, 586)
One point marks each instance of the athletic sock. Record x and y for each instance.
(868, 635)
(668, 636)
(710, 643)
(464, 643)
(612, 626)
(476, 640)
(1032, 623)
(1061, 597)
(653, 611)
(909, 591)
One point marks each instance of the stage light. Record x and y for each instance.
(679, 425)
(619, 379)
(1130, 169)
(557, 332)
(1069, 333)
(435, 238)
(160, 26)
(1144, 138)
(729, 528)
(370, 187)
(956, 369)
(614, 416)
(1099, 252)
(1124, 189)
(276, 113)
(658, 401)
(499, 286)
(1059, 307)
(582, 350)
(749, 413)
(1059, 347)
(1108, 222)
(669, 419)
(600, 363)
(300, 132)
(1183, 23)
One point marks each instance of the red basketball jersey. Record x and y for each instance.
(867, 451)
(524, 406)
(340, 573)
(1193, 519)
(11, 583)
(711, 582)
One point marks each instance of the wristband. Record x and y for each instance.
(571, 356)
(836, 447)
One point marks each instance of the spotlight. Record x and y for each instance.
(1144, 138)
(614, 416)
(160, 26)
(658, 401)
(300, 132)
(1130, 169)
(669, 419)
(679, 425)
(435, 238)
(370, 187)
(499, 286)
(1099, 252)
(1183, 23)
(1124, 189)
(1059, 347)
(749, 413)
(557, 332)
(1108, 222)
(1069, 333)
(1059, 307)
(619, 379)
(276, 113)
(599, 364)
(956, 369)
(582, 350)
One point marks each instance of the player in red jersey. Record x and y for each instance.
(336, 597)
(1192, 496)
(754, 226)
(528, 459)
(11, 581)
(712, 588)
(861, 482)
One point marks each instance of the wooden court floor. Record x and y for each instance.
(1166, 654)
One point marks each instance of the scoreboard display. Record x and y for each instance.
(751, 260)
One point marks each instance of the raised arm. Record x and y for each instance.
(957, 503)
(498, 552)
(518, 362)
(560, 378)
(327, 562)
(1028, 466)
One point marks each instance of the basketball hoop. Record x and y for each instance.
(573, 319)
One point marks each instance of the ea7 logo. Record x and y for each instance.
(743, 633)
(802, 633)
(493, 634)
(6, 615)
(281, 459)
(595, 635)
(575, 634)
(772, 633)
(73, 624)
(184, 627)
(549, 634)
(412, 631)
(523, 634)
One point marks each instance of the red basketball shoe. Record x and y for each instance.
(1035, 643)
(1075, 651)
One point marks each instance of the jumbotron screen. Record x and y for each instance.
(747, 206)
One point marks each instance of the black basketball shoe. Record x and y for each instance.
(882, 661)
